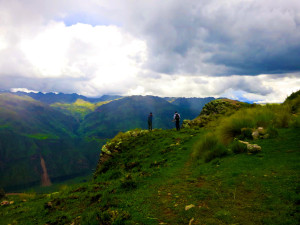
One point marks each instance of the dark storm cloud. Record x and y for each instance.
(246, 37)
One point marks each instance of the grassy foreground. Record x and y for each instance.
(154, 179)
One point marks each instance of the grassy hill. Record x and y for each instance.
(200, 175)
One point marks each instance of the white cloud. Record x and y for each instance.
(169, 48)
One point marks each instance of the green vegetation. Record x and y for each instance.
(78, 109)
(169, 177)
(203, 174)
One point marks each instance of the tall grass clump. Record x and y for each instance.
(238, 147)
(283, 116)
(208, 147)
(231, 127)
(269, 117)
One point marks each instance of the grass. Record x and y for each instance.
(155, 176)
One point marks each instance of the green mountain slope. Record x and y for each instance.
(30, 131)
(191, 103)
(27, 116)
(51, 98)
(131, 112)
(200, 175)
(78, 109)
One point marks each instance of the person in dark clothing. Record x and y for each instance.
(177, 120)
(150, 121)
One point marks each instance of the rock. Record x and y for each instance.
(5, 203)
(189, 207)
(191, 221)
(244, 142)
(253, 148)
(255, 135)
(261, 130)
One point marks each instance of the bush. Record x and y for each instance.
(238, 147)
(208, 148)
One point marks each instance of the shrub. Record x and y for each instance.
(208, 148)
(238, 147)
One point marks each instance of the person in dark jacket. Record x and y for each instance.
(150, 121)
(177, 120)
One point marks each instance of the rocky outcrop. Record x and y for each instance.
(212, 110)
(251, 148)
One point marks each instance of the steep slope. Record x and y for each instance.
(131, 112)
(27, 116)
(191, 103)
(31, 130)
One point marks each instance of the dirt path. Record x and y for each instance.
(173, 197)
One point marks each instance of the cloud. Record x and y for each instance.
(237, 48)
(218, 37)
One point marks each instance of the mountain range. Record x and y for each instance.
(66, 131)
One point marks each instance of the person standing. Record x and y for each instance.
(150, 121)
(177, 120)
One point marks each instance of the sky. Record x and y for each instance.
(241, 49)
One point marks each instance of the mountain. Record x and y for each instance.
(51, 98)
(190, 103)
(131, 112)
(27, 116)
(31, 133)
(64, 136)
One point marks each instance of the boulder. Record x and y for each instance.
(189, 207)
(5, 203)
(253, 148)
(261, 130)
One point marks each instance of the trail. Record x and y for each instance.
(172, 197)
(44, 177)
